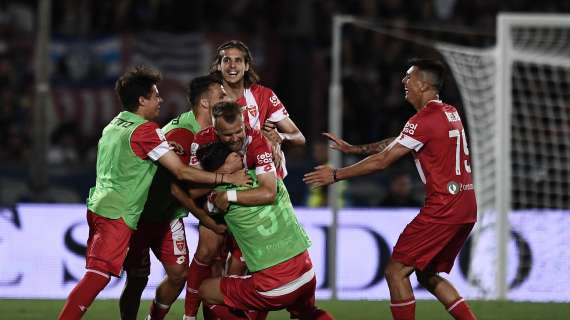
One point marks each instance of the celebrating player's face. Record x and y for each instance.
(411, 83)
(233, 65)
(231, 134)
(152, 104)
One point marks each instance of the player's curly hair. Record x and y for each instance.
(136, 82)
(212, 156)
(250, 76)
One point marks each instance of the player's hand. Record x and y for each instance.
(339, 144)
(239, 178)
(321, 176)
(277, 155)
(211, 224)
(269, 130)
(220, 200)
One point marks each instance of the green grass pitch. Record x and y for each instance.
(351, 310)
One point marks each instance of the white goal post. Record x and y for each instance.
(516, 97)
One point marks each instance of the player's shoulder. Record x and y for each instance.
(146, 128)
(149, 125)
(259, 89)
(205, 135)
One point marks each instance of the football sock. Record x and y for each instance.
(460, 310)
(403, 309)
(81, 297)
(197, 273)
(158, 310)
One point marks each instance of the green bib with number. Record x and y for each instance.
(269, 234)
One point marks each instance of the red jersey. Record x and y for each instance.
(261, 104)
(256, 149)
(148, 141)
(180, 139)
(437, 136)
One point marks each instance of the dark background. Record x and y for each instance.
(95, 41)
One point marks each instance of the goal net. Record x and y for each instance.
(517, 101)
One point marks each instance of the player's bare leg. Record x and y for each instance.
(214, 300)
(442, 289)
(398, 278)
(402, 300)
(209, 244)
(446, 293)
(168, 290)
(130, 299)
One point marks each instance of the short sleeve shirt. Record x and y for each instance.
(148, 141)
(437, 136)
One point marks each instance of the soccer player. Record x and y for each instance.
(262, 108)
(160, 226)
(229, 128)
(127, 151)
(431, 242)
(263, 111)
(273, 243)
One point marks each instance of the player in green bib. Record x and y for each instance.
(160, 227)
(274, 246)
(128, 150)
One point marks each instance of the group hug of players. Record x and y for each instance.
(222, 162)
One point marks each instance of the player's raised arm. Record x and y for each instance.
(365, 149)
(325, 175)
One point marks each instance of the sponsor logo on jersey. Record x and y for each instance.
(410, 128)
(453, 187)
(274, 100)
(452, 116)
(180, 245)
(265, 157)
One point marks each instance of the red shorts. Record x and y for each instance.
(107, 244)
(167, 241)
(296, 294)
(429, 246)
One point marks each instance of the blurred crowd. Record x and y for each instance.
(372, 67)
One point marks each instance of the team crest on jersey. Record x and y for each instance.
(252, 110)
